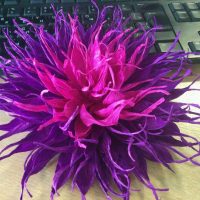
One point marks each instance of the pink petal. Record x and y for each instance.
(32, 108)
(81, 130)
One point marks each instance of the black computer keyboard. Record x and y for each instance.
(173, 16)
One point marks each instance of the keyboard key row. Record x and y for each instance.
(186, 12)
(45, 10)
(183, 16)
(17, 2)
(184, 6)
(145, 17)
(191, 6)
(10, 2)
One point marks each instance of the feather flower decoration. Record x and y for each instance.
(97, 100)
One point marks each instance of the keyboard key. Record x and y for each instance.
(136, 16)
(161, 20)
(52, 1)
(67, 1)
(194, 46)
(38, 20)
(138, 6)
(164, 46)
(30, 11)
(4, 22)
(46, 11)
(1, 12)
(36, 1)
(176, 6)
(92, 9)
(106, 1)
(182, 16)
(11, 2)
(165, 35)
(65, 9)
(13, 12)
(145, 7)
(82, 1)
(191, 6)
(195, 15)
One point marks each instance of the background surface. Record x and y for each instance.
(183, 184)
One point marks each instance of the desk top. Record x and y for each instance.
(184, 184)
